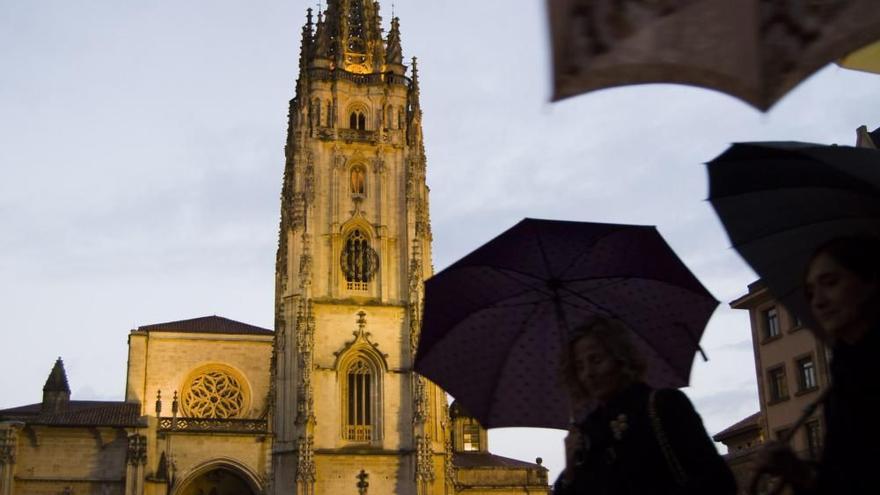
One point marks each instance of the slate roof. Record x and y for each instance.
(79, 413)
(741, 426)
(875, 136)
(208, 324)
(487, 460)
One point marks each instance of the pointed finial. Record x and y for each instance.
(309, 17)
(361, 321)
(174, 405)
(158, 403)
(393, 51)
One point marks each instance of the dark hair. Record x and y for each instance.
(614, 336)
(859, 254)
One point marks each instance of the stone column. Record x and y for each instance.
(8, 447)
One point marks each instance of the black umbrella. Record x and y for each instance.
(496, 320)
(780, 201)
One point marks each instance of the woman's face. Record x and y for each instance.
(839, 298)
(597, 371)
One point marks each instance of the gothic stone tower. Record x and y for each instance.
(353, 251)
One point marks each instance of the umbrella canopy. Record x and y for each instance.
(781, 201)
(756, 50)
(865, 59)
(496, 321)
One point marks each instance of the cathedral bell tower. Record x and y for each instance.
(354, 248)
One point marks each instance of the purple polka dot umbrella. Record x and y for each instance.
(495, 322)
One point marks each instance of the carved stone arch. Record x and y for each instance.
(216, 390)
(355, 223)
(190, 481)
(360, 347)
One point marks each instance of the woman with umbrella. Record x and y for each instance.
(842, 287)
(634, 439)
(822, 241)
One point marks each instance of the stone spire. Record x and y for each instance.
(306, 46)
(414, 92)
(393, 52)
(56, 391)
(322, 48)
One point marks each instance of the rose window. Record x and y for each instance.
(213, 394)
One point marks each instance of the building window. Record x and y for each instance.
(771, 323)
(357, 120)
(807, 374)
(359, 262)
(317, 106)
(814, 438)
(470, 436)
(359, 402)
(777, 384)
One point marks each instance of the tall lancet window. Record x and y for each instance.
(359, 402)
(359, 261)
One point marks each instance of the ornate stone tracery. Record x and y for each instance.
(137, 450)
(214, 393)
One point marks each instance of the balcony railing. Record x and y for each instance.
(357, 135)
(321, 74)
(213, 425)
(359, 433)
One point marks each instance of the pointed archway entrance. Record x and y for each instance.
(218, 481)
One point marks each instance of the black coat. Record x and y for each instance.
(631, 461)
(852, 442)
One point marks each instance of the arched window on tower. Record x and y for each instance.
(359, 398)
(357, 120)
(389, 116)
(329, 113)
(358, 182)
(316, 106)
(359, 262)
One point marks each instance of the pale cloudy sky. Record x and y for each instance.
(141, 152)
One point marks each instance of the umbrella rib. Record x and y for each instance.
(587, 251)
(504, 271)
(544, 255)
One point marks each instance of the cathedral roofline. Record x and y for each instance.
(78, 413)
(207, 324)
(485, 460)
